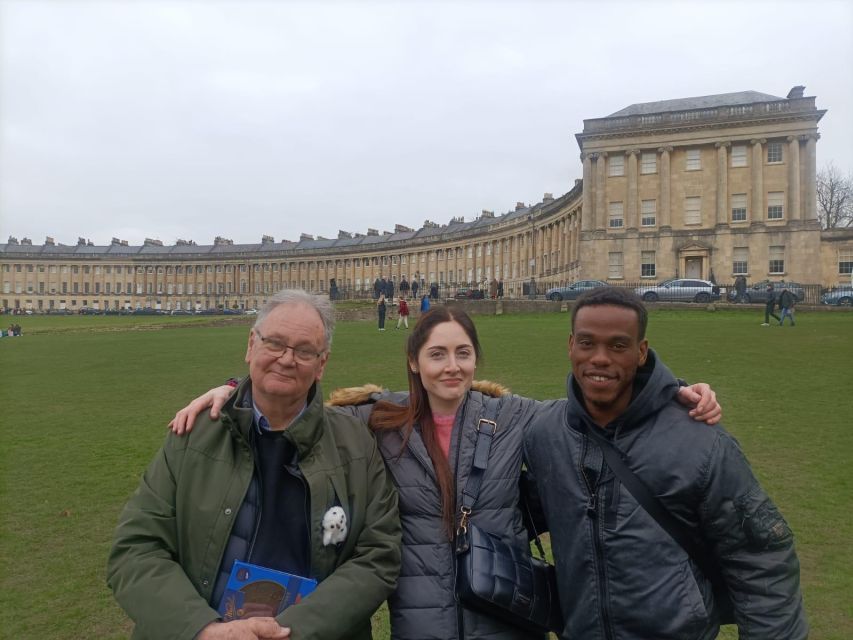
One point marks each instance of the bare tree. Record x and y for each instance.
(834, 198)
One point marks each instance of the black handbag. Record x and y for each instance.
(676, 530)
(494, 576)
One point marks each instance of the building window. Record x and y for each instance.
(649, 213)
(738, 155)
(616, 217)
(775, 205)
(694, 162)
(693, 210)
(738, 207)
(777, 260)
(616, 166)
(647, 264)
(649, 163)
(614, 262)
(740, 261)
(774, 152)
(845, 262)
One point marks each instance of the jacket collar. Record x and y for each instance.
(304, 432)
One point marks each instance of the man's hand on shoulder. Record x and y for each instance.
(703, 403)
(250, 629)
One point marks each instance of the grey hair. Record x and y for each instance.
(297, 296)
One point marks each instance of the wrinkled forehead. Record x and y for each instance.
(292, 321)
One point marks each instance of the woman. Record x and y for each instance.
(403, 313)
(427, 438)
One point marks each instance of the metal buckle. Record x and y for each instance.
(491, 422)
(463, 523)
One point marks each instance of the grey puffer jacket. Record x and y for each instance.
(424, 606)
(620, 576)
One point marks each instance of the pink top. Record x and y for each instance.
(443, 429)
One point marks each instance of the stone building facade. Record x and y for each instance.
(716, 186)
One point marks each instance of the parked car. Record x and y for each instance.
(680, 290)
(842, 297)
(147, 311)
(573, 290)
(180, 312)
(757, 292)
(251, 312)
(467, 293)
(89, 311)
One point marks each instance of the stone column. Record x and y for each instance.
(665, 187)
(793, 178)
(722, 182)
(757, 170)
(588, 187)
(600, 187)
(810, 182)
(631, 219)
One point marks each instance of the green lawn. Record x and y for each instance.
(86, 399)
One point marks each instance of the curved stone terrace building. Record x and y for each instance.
(710, 187)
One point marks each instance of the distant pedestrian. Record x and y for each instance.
(769, 306)
(433, 291)
(415, 287)
(740, 288)
(500, 288)
(404, 287)
(377, 288)
(380, 311)
(425, 304)
(493, 289)
(786, 303)
(403, 314)
(389, 291)
(531, 292)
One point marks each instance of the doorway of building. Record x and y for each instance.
(693, 267)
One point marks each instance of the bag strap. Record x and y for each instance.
(487, 427)
(642, 494)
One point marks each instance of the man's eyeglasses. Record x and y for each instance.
(276, 349)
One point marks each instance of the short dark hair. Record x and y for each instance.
(617, 297)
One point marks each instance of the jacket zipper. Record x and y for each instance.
(592, 512)
(297, 473)
(460, 621)
(260, 484)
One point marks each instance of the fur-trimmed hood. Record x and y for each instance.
(364, 394)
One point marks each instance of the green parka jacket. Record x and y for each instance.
(173, 531)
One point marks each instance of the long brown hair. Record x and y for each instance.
(387, 415)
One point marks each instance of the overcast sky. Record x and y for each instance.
(178, 119)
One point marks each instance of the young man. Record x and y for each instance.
(256, 485)
(786, 304)
(769, 306)
(620, 575)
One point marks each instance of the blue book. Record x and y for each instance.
(254, 591)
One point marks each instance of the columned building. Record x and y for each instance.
(718, 186)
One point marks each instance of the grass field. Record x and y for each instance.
(86, 399)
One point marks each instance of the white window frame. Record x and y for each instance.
(740, 155)
(775, 205)
(615, 166)
(775, 153)
(648, 213)
(648, 266)
(648, 162)
(693, 210)
(693, 160)
(776, 261)
(615, 265)
(616, 215)
(845, 261)
(740, 261)
(739, 207)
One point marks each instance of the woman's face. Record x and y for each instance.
(446, 364)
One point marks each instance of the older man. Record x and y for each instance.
(256, 488)
(620, 573)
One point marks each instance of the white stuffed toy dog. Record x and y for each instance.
(334, 526)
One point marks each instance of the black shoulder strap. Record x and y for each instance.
(486, 429)
(642, 494)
